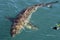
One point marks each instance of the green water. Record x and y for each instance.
(44, 18)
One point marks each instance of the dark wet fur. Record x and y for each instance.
(21, 13)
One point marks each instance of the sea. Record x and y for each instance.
(44, 18)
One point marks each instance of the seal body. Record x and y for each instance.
(23, 19)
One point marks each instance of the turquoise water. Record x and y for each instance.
(44, 18)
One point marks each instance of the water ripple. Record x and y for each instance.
(1, 10)
(48, 35)
(12, 4)
(2, 4)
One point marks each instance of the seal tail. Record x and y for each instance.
(50, 4)
(46, 4)
(10, 18)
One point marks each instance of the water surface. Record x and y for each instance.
(44, 18)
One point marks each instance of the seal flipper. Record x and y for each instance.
(31, 27)
(10, 18)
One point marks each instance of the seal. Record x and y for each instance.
(22, 20)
